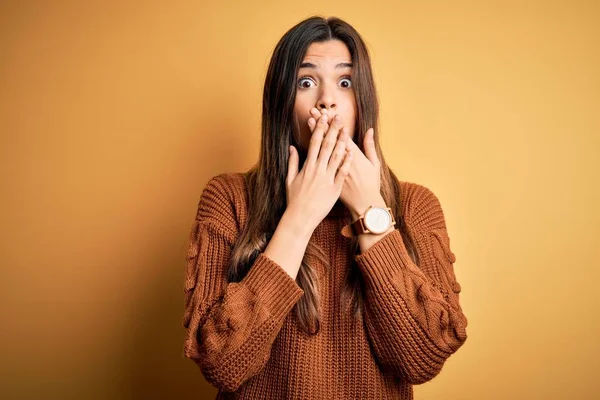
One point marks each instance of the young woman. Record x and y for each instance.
(318, 274)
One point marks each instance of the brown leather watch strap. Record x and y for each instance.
(353, 229)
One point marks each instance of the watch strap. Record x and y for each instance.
(353, 229)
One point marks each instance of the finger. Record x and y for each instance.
(370, 151)
(315, 140)
(339, 152)
(351, 145)
(344, 170)
(329, 141)
(311, 124)
(292, 165)
(316, 114)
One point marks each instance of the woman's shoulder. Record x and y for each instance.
(223, 199)
(228, 184)
(421, 207)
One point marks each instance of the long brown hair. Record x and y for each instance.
(266, 179)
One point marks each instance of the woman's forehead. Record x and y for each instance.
(331, 52)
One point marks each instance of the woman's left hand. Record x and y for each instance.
(362, 186)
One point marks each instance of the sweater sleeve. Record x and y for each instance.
(230, 326)
(412, 313)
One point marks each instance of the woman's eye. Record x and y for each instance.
(302, 85)
(349, 82)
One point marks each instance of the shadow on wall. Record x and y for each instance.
(154, 364)
(157, 368)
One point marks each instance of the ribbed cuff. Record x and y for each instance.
(275, 288)
(382, 261)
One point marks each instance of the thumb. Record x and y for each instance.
(369, 143)
(292, 165)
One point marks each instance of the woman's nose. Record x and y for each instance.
(326, 106)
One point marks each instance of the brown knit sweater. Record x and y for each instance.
(244, 335)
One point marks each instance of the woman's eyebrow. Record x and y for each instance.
(313, 66)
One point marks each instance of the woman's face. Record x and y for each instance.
(324, 82)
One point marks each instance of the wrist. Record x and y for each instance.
(294, 223)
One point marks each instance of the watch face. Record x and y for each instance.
(377, 220)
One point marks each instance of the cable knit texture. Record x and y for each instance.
(247, 342)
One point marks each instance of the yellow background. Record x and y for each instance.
(113, 116)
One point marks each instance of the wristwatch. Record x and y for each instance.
(375, 220)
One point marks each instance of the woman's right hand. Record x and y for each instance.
(312, 192)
